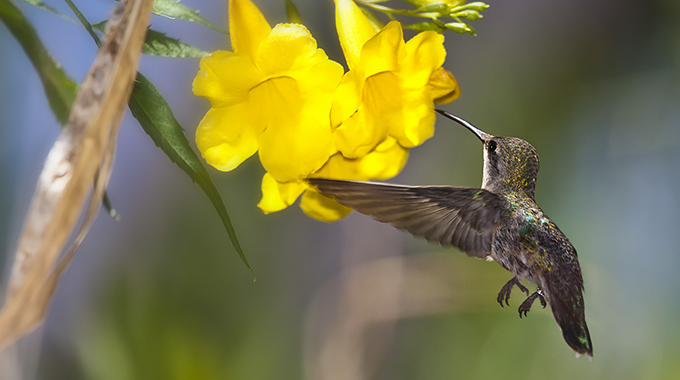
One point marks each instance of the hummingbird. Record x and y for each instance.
(500, 222)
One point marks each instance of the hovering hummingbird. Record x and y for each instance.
(500, 222)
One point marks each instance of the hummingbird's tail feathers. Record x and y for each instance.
(568, 310)
(459, 216)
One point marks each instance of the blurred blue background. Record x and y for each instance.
(593, 85)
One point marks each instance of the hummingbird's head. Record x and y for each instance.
(510, 164)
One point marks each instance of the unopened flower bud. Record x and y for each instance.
(469, 15)
(457, 27)
(425, 25)
(477, 6)
(436, 6)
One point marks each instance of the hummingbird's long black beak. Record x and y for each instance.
(478, 132)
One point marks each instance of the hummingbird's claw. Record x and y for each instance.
(541, 298)
(504, 294)
(526, 305)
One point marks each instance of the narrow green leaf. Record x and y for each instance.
(156, 118)
(45, 7)
(172, 9)
(292, 13)
(60, 89)
(106, 203)
(84, 22)
(159, 44)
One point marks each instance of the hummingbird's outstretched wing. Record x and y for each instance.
(460, 216)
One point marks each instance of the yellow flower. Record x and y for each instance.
(272, 94)
(382, 107)
(385, 161)
(279, 95)
(388, 90)
(443, 86)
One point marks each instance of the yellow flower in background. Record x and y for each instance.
(272, 94)
(388, 90)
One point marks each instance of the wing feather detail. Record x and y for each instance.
(462, 217)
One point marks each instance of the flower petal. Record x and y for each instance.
(424, 54)
(216, 80)
(444, 86)
(356, 136)
(321, 79)
(276, 195)
(319, 207)
(291, 153)
(247, 27)
(354, 29)
(318, 88)
(386, 108)
(382, 52)
(346, 98)
(289, 47)
(385, 161)
(294, 143)
(415, 122)
(226, 136)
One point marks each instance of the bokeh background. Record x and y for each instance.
(593, 85)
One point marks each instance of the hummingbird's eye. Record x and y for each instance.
(491, 146)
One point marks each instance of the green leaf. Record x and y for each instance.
(172, 9)
(159, 44)
(59, 88)
(292, 13)
(106, 203)
(84, 22)
(45, 7)
(155, 116)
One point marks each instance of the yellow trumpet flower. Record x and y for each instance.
(279, 95)
(271, 94)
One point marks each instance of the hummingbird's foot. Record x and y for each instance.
(526, 305)
(504, 294)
